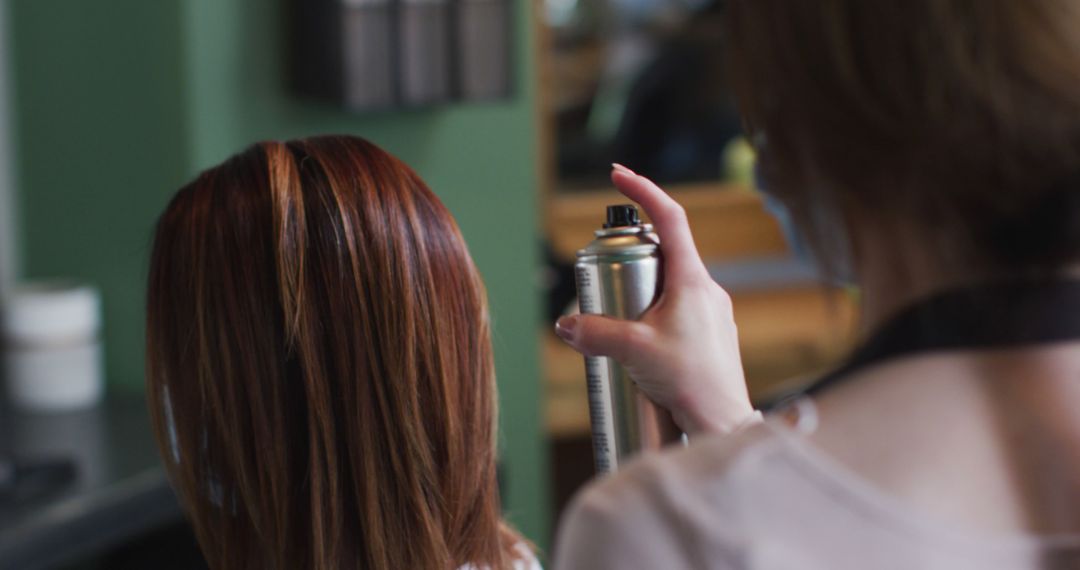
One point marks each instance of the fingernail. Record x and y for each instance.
(620, 168)
(565, 328)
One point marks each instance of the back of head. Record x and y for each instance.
(319, 365)
(957, 121)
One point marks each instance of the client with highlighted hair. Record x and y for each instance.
(319, 367)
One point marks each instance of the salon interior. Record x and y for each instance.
(513, 112)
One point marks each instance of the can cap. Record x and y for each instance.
(621, 216)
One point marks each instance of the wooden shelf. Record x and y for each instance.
(728, 220)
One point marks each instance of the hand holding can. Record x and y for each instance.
(683, 352)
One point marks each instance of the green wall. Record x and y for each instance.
(100, 144)
(118, 102)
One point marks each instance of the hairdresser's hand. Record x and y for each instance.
(684, 351)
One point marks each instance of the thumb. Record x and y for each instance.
(596, 335)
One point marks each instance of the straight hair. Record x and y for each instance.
(319, 366)
(956, 122)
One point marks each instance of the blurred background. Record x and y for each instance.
(512, 110)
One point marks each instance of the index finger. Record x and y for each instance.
(681, 257)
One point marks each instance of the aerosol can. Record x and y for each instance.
(618, 275)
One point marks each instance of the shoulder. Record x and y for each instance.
(527, 560)
(685, 501)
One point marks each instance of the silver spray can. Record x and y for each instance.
(618, 275)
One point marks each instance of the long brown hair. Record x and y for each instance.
(319, 366)
(958, 119)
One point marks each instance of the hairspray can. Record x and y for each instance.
(618, 275)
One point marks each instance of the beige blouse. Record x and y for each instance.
(765, 499)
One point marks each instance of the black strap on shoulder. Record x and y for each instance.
(999, 315)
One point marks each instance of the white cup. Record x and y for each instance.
(51, 335)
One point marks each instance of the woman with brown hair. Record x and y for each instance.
(931, 149)
(319, 367)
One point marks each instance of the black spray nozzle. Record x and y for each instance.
(622, 216)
